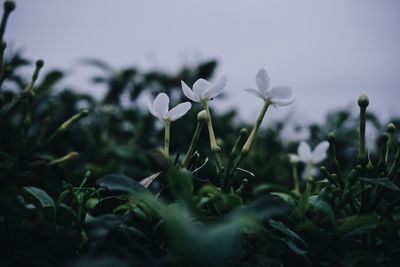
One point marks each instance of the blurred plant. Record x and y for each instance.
(60, 209)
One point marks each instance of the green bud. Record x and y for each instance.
(363, 101)
(202, 116)
(70, 156)
(331, 137)
(391, 128)
(9, 6)
(39, 63)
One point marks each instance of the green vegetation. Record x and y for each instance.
(85, 182)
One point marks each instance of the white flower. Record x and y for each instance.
(203, 90)
(275, 95)
(291, 133)
(160, 108)
(305, 154)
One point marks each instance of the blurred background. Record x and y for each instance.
(328, 51)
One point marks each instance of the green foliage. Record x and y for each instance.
(82, 185)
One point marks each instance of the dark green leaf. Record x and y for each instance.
(385, 182)
(37, 197)
(357, 225)
(120, 183)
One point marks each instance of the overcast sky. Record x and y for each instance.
(328, 51)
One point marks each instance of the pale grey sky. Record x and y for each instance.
(328, 51)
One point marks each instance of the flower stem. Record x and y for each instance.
(249, 142)
(247, 146)
(296, 185)
(363, 104)
(308, 171)
(167, 131)
(215, 149)
(213, 142)
(193, 144)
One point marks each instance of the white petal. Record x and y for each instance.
(304, 152)
(319, 153)
(262, 81)
(160, 105)
(280, 92)
(178, 111)
(215, 88)
(254, 92)
(199, 88)
(282, 103)
(152, 111)
(188, 92)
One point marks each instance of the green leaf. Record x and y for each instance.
(284, 196)
(385, 182)
(37, 197)
(293, 241)
(322, 206)
(357, 225)
(120, 183)
(41, 200)
(180, 182)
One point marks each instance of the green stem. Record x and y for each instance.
(308, 171)
(193, 144)
(249, 142)
(296, 183)
(247, 146)
(213, 142)
(167, 137)
(363, 103)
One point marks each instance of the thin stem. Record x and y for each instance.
(249, 142)
(363, 103)
(247, 146)
(361, 152)
(296, 184)
(193, 144)
(167, 137)
(213, 142)
(308, 171)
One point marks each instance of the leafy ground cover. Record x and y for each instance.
(84, 183)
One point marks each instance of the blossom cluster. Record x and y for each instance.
(202, 91)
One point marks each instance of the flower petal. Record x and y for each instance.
(280, 92)
(304, 152)
(254, 92)
(215, 88)
(199, 88)
(152, 111)
(319, 153)
(188, 92)
(160, 105)
(262, 81)
(282, 103)
(178, 111)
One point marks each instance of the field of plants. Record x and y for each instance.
(102, 182)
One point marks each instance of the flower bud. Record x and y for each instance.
(202, 116)
(391, 128)
(9, 6)
(70, 156)
(244, 132)
(39, 63)
(331, 137)
(363, 101)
